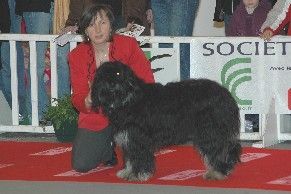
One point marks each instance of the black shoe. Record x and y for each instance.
(113, 161)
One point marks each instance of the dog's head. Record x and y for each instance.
(115, 86)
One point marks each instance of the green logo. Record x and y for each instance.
(148, 54)
(234, 79)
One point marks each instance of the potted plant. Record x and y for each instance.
(64, 118)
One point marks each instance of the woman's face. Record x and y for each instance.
(251, 3)
(99, 29)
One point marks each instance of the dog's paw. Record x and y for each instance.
(124, 173)
(144, 176)
(129, 176)
(139, 177)
(214, 175)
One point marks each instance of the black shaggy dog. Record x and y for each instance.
(147, 117)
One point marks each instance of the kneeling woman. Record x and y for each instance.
(93, 142)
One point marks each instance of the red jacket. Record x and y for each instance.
(123, 49)
(278, 17)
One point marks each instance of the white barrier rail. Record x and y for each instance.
(269, 132)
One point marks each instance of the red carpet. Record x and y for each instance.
(260, 168)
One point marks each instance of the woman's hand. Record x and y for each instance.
(88, 99)
(267, 34)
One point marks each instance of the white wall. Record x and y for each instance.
(204, 25)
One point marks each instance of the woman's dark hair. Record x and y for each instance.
(90, 13)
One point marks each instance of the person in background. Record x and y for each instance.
(60, 17)
(38, 19)
(176, 18)
(15, 28)
(248, 18)
(4, 28)
(4, 17)
(225, 8)
(93, 142)
(139, 13)
(61, 13)
(277, 19)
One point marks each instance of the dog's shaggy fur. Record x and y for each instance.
(147, 117)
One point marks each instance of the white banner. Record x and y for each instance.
(164, 64)
(254, 71)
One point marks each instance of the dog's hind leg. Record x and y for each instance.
(220, 159)
(211, 173)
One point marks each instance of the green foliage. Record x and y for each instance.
(62, 113)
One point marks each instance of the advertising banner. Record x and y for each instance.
(254, 71)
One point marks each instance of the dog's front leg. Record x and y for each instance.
(138, 155)
(140, 164)
(126, 171)
(121, 140)
(137, 169)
